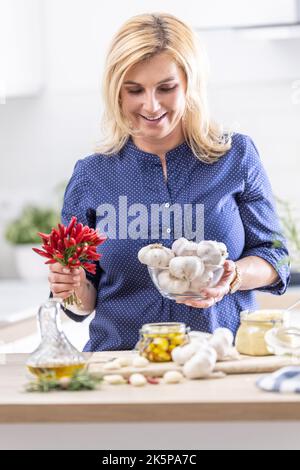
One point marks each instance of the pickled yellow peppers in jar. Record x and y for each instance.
(250, 337)
(157, 340)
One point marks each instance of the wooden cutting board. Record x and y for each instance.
(243, 365)
(254, 365)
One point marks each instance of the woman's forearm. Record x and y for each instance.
(256, 272)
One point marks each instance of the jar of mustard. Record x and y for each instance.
(250, 337)
(157, 340)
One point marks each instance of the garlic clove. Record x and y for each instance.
(112, 365)
(137, 380)
(125, 361)
(172, 377)
(140, 361)
(114, 379)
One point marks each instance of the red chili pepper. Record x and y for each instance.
(66, 243)
(44, 236)
(91, 268)
(41, 253)
(53, 241)
(62, 230)
(56, 232)
(71, 225)
(79, 229)
(49, 250)
(76, 263)
(60, 245)
(51, 261)
(79, 237)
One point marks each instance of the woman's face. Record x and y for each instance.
(153, 97)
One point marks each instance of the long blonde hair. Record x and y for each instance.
(140, 38)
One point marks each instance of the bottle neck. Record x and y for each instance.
(49, 320)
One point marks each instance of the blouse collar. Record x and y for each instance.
(177, 151)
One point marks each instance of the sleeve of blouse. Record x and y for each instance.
(76, 204)
(260, 220)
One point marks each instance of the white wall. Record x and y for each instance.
(255, 86)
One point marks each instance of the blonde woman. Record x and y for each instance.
(164, 165)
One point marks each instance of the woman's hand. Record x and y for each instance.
(64, 281)
(213, 294)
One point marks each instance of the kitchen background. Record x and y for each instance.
(51, 62)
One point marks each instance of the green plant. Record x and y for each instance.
(23, 230)
(291, 229)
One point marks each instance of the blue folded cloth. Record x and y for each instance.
(286, 380)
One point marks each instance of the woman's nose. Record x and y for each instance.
(151, 103)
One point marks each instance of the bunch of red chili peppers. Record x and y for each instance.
(73, 246)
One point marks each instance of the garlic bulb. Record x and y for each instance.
(226, 333)
(221, 341)
(202, 281)
(223, 249)
(184, 247)
(171, 284)
(155, 255)
(212, 252)
(137, 380)
(172, 377)
(201, 364)
(186, 267)
(219, 346)
(181, 354)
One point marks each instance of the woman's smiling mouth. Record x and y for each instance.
(154, 120)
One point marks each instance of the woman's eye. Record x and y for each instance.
(168, 89)
(164, 90)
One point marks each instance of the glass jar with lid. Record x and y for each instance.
(284, 341)
(157, 340)
(250, 337)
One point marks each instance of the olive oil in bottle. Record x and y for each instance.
(56, 371)
(55, 356)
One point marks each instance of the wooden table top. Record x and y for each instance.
(233, 398)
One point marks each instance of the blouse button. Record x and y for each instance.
(167, 204)
(168, 230)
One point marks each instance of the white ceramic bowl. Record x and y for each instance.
(154, 273)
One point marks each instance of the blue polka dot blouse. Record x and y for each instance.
(117, 194)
